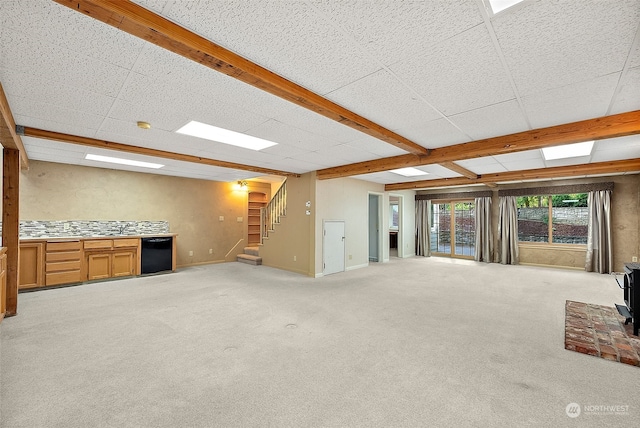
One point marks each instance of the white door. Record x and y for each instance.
(333, 247)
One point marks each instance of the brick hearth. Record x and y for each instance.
(599, 331)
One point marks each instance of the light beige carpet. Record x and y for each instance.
(412, 343)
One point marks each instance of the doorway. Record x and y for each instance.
(453, 229)
(374, 227)
(395, 226)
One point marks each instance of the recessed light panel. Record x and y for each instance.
(122, 161)
(568, 151)
(409, 172)
(221, 135)
(500, 5)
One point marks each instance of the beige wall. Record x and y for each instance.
(347, 199)
(291, 238)
(51, 191)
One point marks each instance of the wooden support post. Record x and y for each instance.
(11, 224)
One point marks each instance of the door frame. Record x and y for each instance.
(400, 223)
(381, 241)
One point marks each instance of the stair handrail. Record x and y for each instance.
(276, 208)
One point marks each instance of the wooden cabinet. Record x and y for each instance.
(111, 258)
(257, 200)
(63, 262)
(31, 273)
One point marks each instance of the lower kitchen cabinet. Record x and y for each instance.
(124, 263)
(31, 273)
(98, 266)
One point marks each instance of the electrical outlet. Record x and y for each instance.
(190, 253)
(66, 226)
(239, 219)
(221, 218)
(350, 257)
(210, 250)
(634, 259)
(295, 258)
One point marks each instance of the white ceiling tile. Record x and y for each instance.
(497, 119)
(549, 45)
(393, 30)
(571, 103)
(46, 20)
(346, 153)
(519, 156)
(616, 149)
(482, 165)
(567, 161)
(375, 146)
(460, 74)
(28, 108)
(434, 134)
(628, 99)
(295, 44)
(380, 97)
(523, 164)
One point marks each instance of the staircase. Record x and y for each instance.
(269, 217)
(250, 256)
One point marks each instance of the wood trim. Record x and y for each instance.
(11, 224)
(8, 136)
(611, 167)
(613, 126)
(145, 24)
(91, 142)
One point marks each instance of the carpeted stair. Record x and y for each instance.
(250, 256)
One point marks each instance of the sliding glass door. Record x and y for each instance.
(453, 230)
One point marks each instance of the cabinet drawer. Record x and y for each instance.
(63, 266)
(98, 244)
(126, 242)
(63, 256)
(56, 278)
(64, 246)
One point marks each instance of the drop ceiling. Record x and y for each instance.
(436, 72)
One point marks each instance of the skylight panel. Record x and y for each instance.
(568, 151)
(500, 5)
(122, 161)
(225, 136)
(409, 172)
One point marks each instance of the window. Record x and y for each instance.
(393, 216)
(553, 219)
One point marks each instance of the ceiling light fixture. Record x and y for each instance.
(121, 161)
(500, 5)
(144, 125)
(221, 135)
(568, 151)
(409, 172)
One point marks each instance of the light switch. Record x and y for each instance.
(221, 218)
(239, 219)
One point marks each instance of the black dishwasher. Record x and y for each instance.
(156, 254)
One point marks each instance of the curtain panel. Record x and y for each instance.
(423, 228)
(599, 242)
(484, 235)
(508, 230)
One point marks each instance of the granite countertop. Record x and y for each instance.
(76, 238)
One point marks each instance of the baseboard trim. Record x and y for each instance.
(201, 264)
(552, 266)
(358, 266)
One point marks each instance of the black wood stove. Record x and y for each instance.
(631, 289)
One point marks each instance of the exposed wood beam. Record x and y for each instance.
(459, 169)
(618, 125)
(611, 167)
(11, 224)
(145, 24)
(91, 142)
(8, 136)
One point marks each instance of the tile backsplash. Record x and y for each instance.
(61, 229)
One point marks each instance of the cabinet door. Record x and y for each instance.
(31, 265)
(123, 263)
(98, 266)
